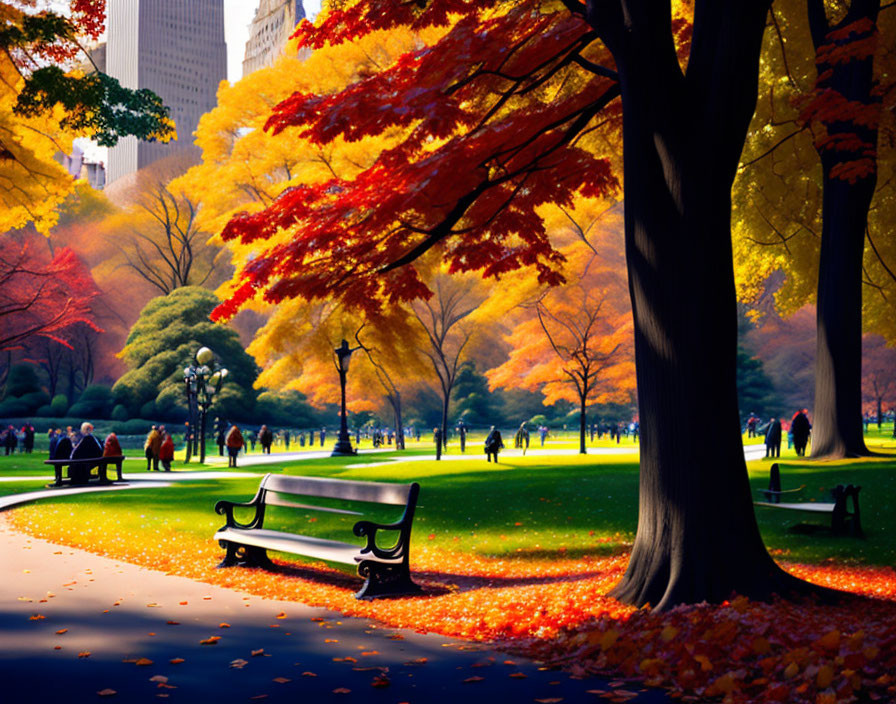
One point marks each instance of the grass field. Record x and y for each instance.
(524, 507)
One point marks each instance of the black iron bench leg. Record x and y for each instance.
(245, 556)
(385, 580)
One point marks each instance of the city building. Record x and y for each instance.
(79, 166)
(273, 24)
(176, 49)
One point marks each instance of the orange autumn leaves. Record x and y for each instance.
(557, 610)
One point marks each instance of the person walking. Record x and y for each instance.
(493, 444)
(220, 440)
(437, 439)
(235, 443)
(801, 428)
(265, 438)
(151, 448)
(521, 440)
(773, 438)
(462, 435)
(166, 451)
(28, 441)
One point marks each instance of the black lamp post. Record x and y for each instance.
(202, 380)
(343, 443)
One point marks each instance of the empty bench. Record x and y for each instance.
(385, 569)
(842, 519)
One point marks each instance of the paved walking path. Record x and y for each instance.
(75, 627)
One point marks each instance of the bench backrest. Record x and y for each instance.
(349, 490)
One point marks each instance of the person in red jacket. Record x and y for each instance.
(234, 442)
(166, 452)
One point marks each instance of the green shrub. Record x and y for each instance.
(45, 411)
(148, 410)
(120, 413)
(22, 380)
(59, 405)
(14, 407)
(35, 400)
(95, 402)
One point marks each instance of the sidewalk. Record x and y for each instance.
(75, 627)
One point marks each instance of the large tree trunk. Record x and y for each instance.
(582, 417)
(837, 430)
(697, 535)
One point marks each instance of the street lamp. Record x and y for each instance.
(202, 381)
(343, 444)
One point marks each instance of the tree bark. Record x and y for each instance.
(697, 536)
(837, 427)
(582, 402)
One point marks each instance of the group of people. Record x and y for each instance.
(158, 448)
(797, 429)
(10, 437)
(81, 443)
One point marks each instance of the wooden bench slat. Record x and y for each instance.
(350, 490)
(320, 548)
(812, 507)
(273, 498)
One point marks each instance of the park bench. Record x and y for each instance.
(385, 569)
(79, 468)
(842, 520)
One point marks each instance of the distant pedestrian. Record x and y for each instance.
(220, 440)
(151, 449)
(462, 435)
(801, 428)
(521, 440)
(493, 444)
(542, 434)
(252, 437)
(235, 443)
(286, 439)
(437, 439)
(12, 441)
(265, 438)
(302, 439)
(53, 440)
(28, 441)
(773, 438)
(166, 451)
(323, 436)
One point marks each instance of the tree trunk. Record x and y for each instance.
(582, 401)
(697, 535)
(837, 422)
(445, 401)
(395, 400)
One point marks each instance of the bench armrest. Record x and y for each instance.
(225, 508)
(369, 529)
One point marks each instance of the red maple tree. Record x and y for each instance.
(495, 114)
(41, 294)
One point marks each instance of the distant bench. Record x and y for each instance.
(385, 570)
(842, 520)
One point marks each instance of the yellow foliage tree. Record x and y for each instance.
(32, 183)
(575, 342)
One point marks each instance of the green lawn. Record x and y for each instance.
(524, 507)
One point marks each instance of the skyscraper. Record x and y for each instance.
(273, 24)
(176, 49)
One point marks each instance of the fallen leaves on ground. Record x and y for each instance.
(558, 610)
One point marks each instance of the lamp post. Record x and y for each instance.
(202, 381)
(343, 443)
